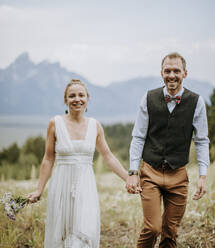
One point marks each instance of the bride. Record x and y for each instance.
(73, 218)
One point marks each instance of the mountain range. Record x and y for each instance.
(27, 88)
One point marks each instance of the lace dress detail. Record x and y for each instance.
(73, 216)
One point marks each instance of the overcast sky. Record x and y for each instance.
(110, 40)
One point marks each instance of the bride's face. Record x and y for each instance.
(76, 98)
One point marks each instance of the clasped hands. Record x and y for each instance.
(133, 184)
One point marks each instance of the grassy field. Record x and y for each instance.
(121, 216)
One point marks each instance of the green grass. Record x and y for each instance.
(121, 215)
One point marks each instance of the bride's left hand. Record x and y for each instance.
(34, 196)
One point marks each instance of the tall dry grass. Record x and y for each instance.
(121, 215)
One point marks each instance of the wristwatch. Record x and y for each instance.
(132, 172)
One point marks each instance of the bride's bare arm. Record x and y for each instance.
(111, 161)
(47, 162)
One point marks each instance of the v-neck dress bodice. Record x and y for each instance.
(73, 216)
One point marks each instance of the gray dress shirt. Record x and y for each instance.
(200, 136)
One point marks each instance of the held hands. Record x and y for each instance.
(34, 196)
(133, 184)
(201, 188)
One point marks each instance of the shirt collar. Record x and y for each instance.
(181, 91)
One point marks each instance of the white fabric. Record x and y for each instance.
(73, 215)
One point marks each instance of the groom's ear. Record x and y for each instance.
(185, 74)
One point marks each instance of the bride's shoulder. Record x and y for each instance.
(54, 119)
(51, 127)
(98, 124)
(95, 120)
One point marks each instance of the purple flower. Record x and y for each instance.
(12, 205)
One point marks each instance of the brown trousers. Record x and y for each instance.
(171, 186)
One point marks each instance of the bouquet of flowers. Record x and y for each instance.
(12, 205)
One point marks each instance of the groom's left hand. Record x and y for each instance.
(201, 188)
(133, 184)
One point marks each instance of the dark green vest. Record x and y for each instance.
(169, 134)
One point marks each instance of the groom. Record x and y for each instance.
(166, 121)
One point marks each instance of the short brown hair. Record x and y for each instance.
(74, 82)
(174, 56)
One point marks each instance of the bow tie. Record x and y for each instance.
(168, 98)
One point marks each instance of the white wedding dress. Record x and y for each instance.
(73, 216)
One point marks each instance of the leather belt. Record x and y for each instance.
(165, 165)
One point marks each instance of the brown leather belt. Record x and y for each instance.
(165, 166)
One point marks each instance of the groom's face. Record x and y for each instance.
(173, 73)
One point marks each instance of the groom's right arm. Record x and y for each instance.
(136, 148)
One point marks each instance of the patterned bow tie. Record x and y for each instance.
(168, 98)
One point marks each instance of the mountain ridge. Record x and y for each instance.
(27, 88)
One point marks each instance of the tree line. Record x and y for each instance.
(16, 162)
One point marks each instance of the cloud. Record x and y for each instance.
(103, 50)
